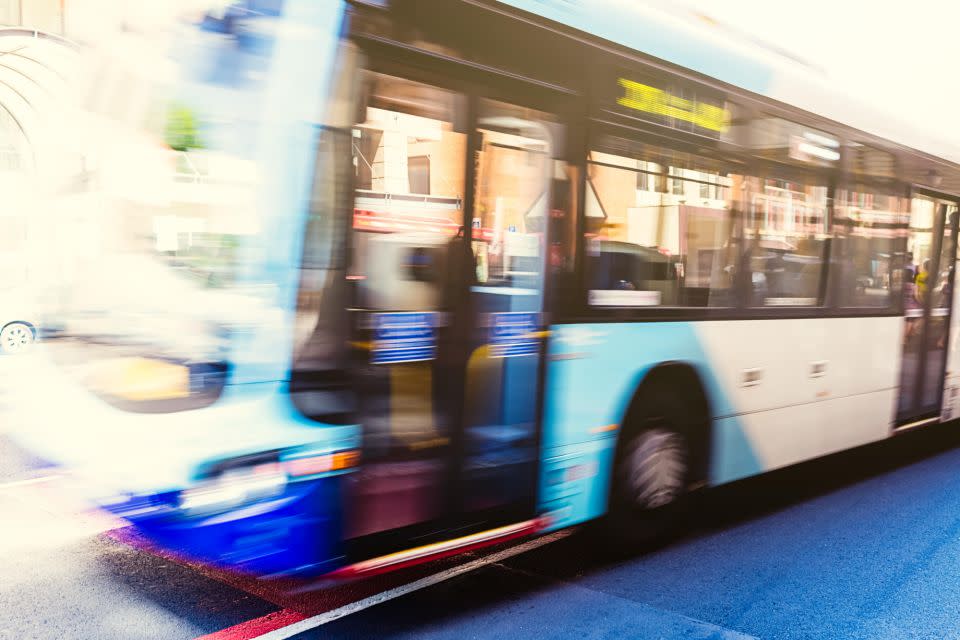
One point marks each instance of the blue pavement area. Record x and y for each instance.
(499, 602)
(865, 545)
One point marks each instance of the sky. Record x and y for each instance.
(897, 56)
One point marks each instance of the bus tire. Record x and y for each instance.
(658, 458)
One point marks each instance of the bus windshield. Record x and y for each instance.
(160, 230)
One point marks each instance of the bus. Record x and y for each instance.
(365, 283)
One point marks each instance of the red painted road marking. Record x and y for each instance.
(301, 606)
(257, 627)
(294, 595)
(298, 622)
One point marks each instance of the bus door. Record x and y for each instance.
(409, 153)
(514, 199)
(929, 276)
(446, 271)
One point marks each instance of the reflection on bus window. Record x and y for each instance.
(920, 249)
(941, 289)
(514, 172)
(659, 234)
(870, 232)
(409, 174)
(786, 236)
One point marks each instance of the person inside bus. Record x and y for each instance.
(453, 351)
(911, 301)
(946, 289)
(453, 338)
(923, 283)
(776, 272)
(910, 288)
(944, 294)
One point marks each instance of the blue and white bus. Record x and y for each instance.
(364, 283)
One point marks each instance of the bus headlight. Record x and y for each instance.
(234, 488)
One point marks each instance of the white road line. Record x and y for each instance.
(22, 483)
(396, 592)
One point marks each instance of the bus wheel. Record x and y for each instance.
(652, 472)
(654, 468)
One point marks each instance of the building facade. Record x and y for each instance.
(42, 15)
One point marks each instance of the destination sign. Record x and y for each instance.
(641, 97)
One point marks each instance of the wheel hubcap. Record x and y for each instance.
(656, 466)
(16, 338)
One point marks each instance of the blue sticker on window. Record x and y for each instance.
(513, 334)
(403, 337)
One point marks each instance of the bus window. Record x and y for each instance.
(409, 175)
(515, 168)
(786, 237)
(659, 233)
(869, 237)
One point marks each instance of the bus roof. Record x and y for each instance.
(678, 35)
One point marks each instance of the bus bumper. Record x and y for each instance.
(295, 533)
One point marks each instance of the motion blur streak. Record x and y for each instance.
(321, 289)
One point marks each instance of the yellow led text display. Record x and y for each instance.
(641, 97)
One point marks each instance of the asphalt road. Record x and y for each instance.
(864, 545)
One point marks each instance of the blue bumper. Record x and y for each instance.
(294, 534)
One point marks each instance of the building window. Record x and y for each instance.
(42, 15)
(418, 171)
(10, 13)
